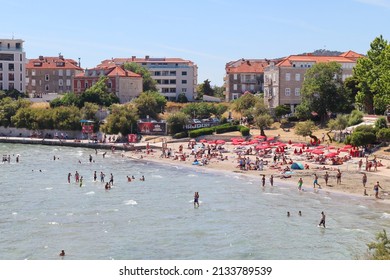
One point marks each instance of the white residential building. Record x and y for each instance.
(173, 75)
(12, 65)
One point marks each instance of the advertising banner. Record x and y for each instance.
(158, 128)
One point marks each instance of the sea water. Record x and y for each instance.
(41, 214)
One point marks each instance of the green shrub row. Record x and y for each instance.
(219, 129)
(179, 135)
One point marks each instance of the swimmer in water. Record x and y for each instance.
(62, 254)
(196, 199)
(322, 222)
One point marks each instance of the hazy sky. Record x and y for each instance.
(208, 32)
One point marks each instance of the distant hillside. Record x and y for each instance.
(323, 53)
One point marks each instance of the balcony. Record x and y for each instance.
(249, 81)
(5, 49)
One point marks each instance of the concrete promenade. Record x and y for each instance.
(76, 143)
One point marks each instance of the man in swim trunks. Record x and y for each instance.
(322, 222)
(376, 189)
(196, 199)
(300, 183)
(315, 182)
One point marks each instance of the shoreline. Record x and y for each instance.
(351, 185)
(351, 181)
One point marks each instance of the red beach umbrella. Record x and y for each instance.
(317, 152)
(220, 141)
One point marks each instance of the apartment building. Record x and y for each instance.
(173, 75)
(125, 84)
(283, 80)
(12, 65)
(50, 75)
(244, 75)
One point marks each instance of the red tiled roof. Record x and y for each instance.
(111, 71)
(120, 61)
(352, 55)
(247, 66)
(48, 62)
(288, 61)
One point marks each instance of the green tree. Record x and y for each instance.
(380, 249)
(204, 89)
(12, 93)
(123, 119)
(371, 72)
(201, 110)
(68, 99)
(339, 123)
(263, 121)
(9, 107)
(383, 134)
(182, 98)
(148, 83)
(323, 90)
(176, 121)
(99, 94)
(219, 92)
(89, 111)
(150, 103)
(355, 118)
(220, 109)
(245, 103)
(282, 110)
(381, 123)
(305, 128)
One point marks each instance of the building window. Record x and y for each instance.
(11, 77)
(297, 91)
(33, 72)
(235, 87)
(11, 67)
(172, 82)
(60, 82)
(1, 86)
(157, 73)
(46, 77)
(235, 96)
(67, 72)
(172, 73)
(86, 84)
(288, 76)
(60, 72)
(68, 82)
(109, 85)
(252, 87)
(297, 77)
(172, 90)
(46, 87)
(1, 66)
(235, 76)
(11, 86)
(165, 73)
(183, 90)
(243, 87)
(287, 92)
(184, 82)
(184, 73)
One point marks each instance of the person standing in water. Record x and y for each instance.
(94, 176)
(81, 181)
(69, 175)
(263, 181)
(196, 199)
(271, 180)
(326, 177)
(322, 222)
(300, 183)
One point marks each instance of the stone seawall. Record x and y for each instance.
(74, 143)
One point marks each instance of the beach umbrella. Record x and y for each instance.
(262, 147)
(237, 139)
(299, 145)
(331, 147)
(211, 142)
(203, 141)
(330, 155)
(220, 142)
(282, 144)
(253, 141)
(260, 137)
(271, 139)
(320, 147)
(347, 147)
(317, 152)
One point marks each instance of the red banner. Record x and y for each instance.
(87, 128)
(132, 138)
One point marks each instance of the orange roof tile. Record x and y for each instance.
(246, 66)
(48, 62)
(120, 61)
(288, 61)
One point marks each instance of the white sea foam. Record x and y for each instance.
(157, 176)
(48, 189)
(90, 193)
(130, 202)
(53, 223)
(276, 194)
(192, 175)
(385, 216)
(14, 213)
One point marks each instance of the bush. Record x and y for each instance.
(292, 119)
(179, 135)
(199, 132)
(244, 130)
(223, 120)
(355, 118)
(225, 128)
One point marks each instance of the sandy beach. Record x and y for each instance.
(228, 161)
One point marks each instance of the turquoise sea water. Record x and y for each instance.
(41, 214)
